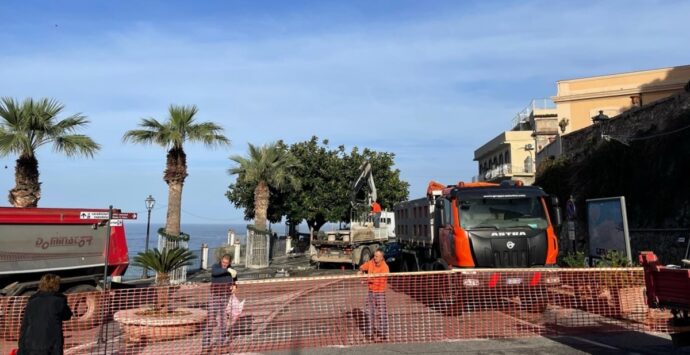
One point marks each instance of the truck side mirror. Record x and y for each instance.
(557, 215)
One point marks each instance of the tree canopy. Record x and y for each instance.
(267, 167)
(181, 126)
(25, 127)
(326, 175)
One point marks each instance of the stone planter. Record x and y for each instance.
(138, 327)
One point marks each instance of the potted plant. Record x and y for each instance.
(160, 321)
(625, 290)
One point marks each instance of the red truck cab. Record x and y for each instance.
(69, 242)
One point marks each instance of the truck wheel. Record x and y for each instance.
(365, 256)
(446, 292)
(87, 307)
(409, 264)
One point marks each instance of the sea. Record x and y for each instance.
(214, 235)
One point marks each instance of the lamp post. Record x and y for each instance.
(601, 117)
(150, 202)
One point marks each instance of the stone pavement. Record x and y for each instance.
(610, 344)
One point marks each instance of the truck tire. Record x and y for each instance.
(364, 256)
(409, 264)
(87, 307)
(449, 297)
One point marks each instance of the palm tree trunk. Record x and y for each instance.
(27, 189)
(260, 205)
(172, 219)
(163, 281)
(174, 175)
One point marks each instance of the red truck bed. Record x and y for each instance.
(666, 287)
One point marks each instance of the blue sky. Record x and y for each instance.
(428, 80)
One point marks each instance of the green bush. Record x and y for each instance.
(614, 258)
(576, 259)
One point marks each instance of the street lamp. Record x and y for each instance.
(150, 202)
(601, 117)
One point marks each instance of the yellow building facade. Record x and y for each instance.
(510, 155)
(578, 100)
(536, 131)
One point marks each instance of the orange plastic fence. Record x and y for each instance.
(324, 311)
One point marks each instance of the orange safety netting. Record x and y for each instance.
(326, 311)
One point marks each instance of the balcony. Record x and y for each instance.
(504, 171)
(523, 116)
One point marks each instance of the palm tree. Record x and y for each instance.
(266, 167)
(172, 134)
(28, 125)
(163, 263)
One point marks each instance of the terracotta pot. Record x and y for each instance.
(138, 327)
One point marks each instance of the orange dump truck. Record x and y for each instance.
(480, 224)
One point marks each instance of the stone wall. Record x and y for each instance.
(668, 244)
(642, 154)
(656, 117)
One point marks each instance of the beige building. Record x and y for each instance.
(508, 156)
(511, 155)
(578, 100)
(536, 131)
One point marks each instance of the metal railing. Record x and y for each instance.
(536, 104)
(504, 170)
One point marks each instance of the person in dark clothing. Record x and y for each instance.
(41, 329)
(223, 285)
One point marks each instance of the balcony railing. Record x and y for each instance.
(504, 170)
(536, 104)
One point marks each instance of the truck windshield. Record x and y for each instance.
(500, 213)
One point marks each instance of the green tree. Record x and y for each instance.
(266, 167)
(28, 125)
(323, 197)
(180, 127)
(390, 188)
(326, 175)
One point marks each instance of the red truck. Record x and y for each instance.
(69, 242)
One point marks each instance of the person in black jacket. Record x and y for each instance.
(41, 329)
(223, 279)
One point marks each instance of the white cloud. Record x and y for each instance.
(401, 86)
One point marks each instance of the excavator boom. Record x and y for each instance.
(367, 177)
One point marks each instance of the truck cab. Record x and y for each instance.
(496, 226)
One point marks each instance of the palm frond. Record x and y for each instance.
(269, 163)
(76, 144)
(33, 123)
(164, 261)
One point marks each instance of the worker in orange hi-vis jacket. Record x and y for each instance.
(376, 297)
(376, 213)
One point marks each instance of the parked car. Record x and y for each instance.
(392, 253)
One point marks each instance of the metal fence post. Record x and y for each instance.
(204, 256)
